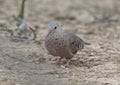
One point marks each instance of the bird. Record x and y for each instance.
(62, 43)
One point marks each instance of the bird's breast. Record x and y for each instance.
(55, 44)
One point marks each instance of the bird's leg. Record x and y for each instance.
(58, 60)
(67, 64)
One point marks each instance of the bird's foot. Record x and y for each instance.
(66, 65)
(57, 61)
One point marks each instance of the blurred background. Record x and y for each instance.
(95, 21)
(54, 9)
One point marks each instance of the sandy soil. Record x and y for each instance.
(27, 63)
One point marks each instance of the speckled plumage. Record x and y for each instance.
(62, 43)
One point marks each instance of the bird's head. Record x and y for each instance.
(54, 26)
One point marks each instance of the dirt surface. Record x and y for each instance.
(28, 63)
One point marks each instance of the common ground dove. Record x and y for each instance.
(62, 43)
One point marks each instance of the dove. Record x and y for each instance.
(61, 43)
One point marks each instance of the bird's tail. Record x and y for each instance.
(86, 43)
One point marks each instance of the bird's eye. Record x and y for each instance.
(55, 28)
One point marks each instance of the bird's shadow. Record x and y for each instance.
(85, 63)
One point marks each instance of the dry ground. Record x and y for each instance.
(27, 63)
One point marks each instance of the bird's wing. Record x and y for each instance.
(75, 43)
